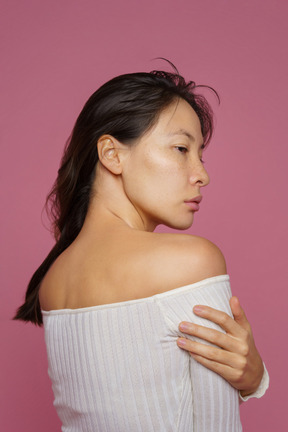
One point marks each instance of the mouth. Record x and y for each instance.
(194, 203)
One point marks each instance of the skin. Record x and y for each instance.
(137, 188)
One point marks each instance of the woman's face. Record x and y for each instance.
(163, 172)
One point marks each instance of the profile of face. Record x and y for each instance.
(163, 172)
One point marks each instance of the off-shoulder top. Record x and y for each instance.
(117, 367)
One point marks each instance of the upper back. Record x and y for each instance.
(127, 265)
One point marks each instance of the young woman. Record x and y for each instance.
(118, 300)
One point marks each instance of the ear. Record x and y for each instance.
(109, 153)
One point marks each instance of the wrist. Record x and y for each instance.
(256, 383)
(259, 391)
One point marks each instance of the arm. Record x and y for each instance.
(235, 356)
(189, 259)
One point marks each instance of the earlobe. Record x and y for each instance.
(108, 152)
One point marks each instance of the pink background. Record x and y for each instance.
(54, 55)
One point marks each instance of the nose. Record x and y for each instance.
(199, 176)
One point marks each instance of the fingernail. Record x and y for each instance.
(182, 342)
(197, 309)
(184, 327)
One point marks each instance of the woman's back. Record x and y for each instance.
(112, 331)
(114, 264)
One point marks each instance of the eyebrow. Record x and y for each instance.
(182, 132)
(186, 133)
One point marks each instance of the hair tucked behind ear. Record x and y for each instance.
(125, 107)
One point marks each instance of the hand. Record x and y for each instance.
(237, 359)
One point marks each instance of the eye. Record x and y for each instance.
(182, 149)
(202, 148)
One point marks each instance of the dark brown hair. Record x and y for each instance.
(125, 107)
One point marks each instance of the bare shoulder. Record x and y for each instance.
(184, 259)
(128, 267)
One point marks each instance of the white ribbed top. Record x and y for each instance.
(117, 367)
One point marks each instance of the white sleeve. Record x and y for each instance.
(263, 386)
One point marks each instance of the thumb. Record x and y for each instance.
(238, 313)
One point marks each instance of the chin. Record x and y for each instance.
(181, 225)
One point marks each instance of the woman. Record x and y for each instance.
(113, 292)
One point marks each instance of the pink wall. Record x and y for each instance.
(54, 55)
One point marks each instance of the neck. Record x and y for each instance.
(110, 206)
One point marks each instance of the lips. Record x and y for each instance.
(194, 203)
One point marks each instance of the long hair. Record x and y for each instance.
(125, 107)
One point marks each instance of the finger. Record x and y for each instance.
(209, 352)
(227, 372)
(221, 318)
(215, 337)
(238, 313)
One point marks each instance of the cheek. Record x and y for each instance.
(161, 168)
(153, 177)
(160, 177)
